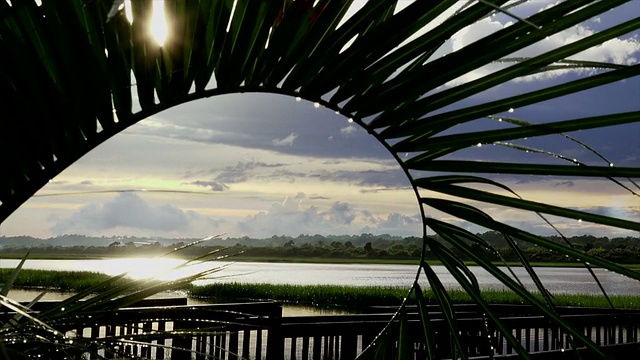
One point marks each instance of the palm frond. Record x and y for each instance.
(74, 72)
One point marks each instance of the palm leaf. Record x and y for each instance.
(69, 68)
(8, 284)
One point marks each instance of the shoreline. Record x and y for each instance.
(302, 260)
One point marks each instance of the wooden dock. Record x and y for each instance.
(176, 331)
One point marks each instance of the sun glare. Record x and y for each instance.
(150, 268)
(158, 25)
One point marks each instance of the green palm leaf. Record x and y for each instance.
(66, 70)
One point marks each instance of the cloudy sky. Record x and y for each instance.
(263, 164)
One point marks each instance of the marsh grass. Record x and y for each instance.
(360, 298)
(315, 295)
(59, 280)
(328, 296)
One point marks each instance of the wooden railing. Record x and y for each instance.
(258, 331)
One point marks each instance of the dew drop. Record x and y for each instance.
(479, 145)
(500, 119)
(510, 110)
(350, 120)
(579, 220)
(316, 105)
(298, 99)
(610, 164)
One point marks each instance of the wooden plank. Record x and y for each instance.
(293, 348)
(259, 334)
(218, 347)
(348, 346)
(317, 347)
(162, 326)
(305, 348)
(246, 343)
(233, 345)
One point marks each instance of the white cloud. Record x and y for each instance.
(292, 217)
(348, 130)
(286, 141)
(617, 50)
(130, 214)
(341, 213)
(395, 223)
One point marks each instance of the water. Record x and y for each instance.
(556, 279)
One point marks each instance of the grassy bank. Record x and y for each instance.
(352, 297)
(59, 280)
(63, 281)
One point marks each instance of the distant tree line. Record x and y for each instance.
(622, 250)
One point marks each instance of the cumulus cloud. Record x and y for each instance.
(395, 223)
(293, 217)
(285, 141)
(340, 212)
(127, 210)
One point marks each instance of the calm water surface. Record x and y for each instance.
(557, 280)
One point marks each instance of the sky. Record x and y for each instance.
(262, 164)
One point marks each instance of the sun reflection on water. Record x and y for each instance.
(165, 269)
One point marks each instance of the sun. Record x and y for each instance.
(158, 25)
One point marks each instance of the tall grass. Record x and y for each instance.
(75, 281)
(359, 298)
(351, 297)
(316, 295)
(63, 281)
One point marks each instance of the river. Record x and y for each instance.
(556, 279)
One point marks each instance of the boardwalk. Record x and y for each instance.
(258, 331)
